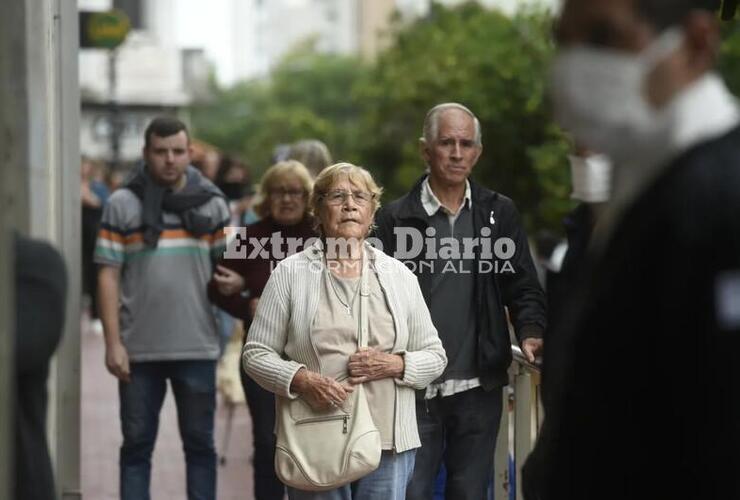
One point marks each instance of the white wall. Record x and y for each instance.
(94, 4)
(147, 72)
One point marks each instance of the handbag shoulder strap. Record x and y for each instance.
(362, 334)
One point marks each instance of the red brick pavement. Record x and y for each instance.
(101, 438)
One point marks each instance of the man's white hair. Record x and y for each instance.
(431, 122)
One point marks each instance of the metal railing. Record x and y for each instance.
(520, 423)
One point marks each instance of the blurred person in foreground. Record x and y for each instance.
(159, 236)
(642, 383)
(238, 283)
(40, 300)
(303, 340)
(459, 414)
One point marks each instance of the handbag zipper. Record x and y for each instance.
(344, 418)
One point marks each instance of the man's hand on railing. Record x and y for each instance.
(532, 349)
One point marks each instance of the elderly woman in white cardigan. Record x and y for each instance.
(303, 340)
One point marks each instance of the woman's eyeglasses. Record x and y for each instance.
(293, 194)
(338, 197)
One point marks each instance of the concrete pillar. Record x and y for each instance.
(39, 195)
(13, 150)
(68, 236)
(54, 208)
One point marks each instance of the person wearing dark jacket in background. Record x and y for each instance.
(642, 382)
(40, 300)
(466, 292)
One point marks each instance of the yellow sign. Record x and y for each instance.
(104, 29)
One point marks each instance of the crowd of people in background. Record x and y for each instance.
(228, 171)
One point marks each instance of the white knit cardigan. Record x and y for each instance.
(279, 340)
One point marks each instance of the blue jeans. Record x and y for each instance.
(261, 404)
(387, 482)
(194, 387)
(225, 328)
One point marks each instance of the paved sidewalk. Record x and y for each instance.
(101, 439)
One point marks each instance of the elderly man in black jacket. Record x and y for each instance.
(643, 384)
(470, 253)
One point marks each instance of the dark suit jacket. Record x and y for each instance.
(643, 384)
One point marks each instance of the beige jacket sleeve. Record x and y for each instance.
(262, 355)
(425, 358)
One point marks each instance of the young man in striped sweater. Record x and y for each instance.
(159, 237)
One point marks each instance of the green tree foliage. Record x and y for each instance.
(729, 57)
(306, 96)
(372, 113)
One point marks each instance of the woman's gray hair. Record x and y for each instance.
(431, 122)
(312, 153)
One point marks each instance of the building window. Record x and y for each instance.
(133, 9)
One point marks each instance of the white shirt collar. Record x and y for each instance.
(704, 111)
(431, 203)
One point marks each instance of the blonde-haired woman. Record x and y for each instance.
(237, 285)
(303, 340)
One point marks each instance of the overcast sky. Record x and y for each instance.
(210, 28)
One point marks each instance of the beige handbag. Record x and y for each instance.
(323, 450)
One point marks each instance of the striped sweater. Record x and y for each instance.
(279, 340)
(164, 311)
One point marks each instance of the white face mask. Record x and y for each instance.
(599, 97)
(591, 178)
